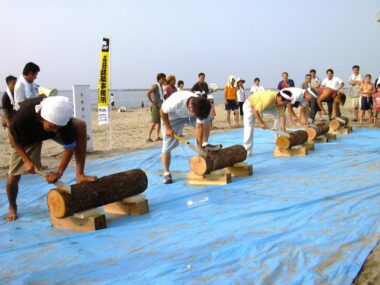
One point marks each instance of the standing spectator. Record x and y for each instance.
(376, 104)
(169, 88)
(112, 102)
(377, 81)
(201, 86)
(240, 94)
(7, 101)
(355, 80)
(285, 82)
(230, 100)
(25, 87)
(366, 90)
(332, 81)
(256, 87)
(155, 95)
(315, 81)
(180, 85)
(307, 82)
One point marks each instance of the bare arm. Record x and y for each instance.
(150, 92)
(52, 177)
(324, 96)
(354, 82)
(282, 123)
(199, 134)
(165, 120)
(260, 119)
(291, 113)
(340, 86)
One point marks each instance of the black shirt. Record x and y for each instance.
(26, 125)
(201, 87)
(7, 105)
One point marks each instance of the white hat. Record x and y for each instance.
(287, 96)
(57, 110)
(198, 93)
(240, 79)
(312, 92)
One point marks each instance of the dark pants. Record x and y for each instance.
(241, 108)
(314, 108)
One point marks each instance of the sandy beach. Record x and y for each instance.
(129, 133)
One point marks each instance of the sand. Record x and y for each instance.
(129, 132)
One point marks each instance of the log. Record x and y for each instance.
(338, 123)
(296, 138)
(317, 130)
(218, 159)
(105, 190)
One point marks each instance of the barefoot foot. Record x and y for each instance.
(12, 214)
(84, 178)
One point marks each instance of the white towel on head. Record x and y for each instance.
(57, 110)
(10, 95)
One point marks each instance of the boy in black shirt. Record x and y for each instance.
(7, 101)
(40, 119)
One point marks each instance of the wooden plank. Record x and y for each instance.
(214, 178)
(240, 169)
(309, 145)
(133, 206)
(342, 131)
(331, 136)
(87, 213)
(299, 151)
(321, 139)
(88, 224)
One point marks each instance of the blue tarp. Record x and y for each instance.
(299, 220)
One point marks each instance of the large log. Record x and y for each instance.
(218, 159)
(105, 190)
(314, 131)
(295, 138)
(337, 123)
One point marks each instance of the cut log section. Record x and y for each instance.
(338, 123)
(218, 159)
(105, 190)
(314, 131)
(295, 138)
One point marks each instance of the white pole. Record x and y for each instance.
(109, 94)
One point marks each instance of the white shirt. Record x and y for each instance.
(176, 106)
(355, 89)
(315, 82)
(240, 95)
(255, 89)
(24, 90)
(334, 83)
(297, 95)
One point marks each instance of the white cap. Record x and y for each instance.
(57, 110)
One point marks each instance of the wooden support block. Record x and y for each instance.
(296, 151)
(321, 139)
(87, 213)
(309, 145)
(134, 206)
(87, 224)
(218, 177)
(342, 131)
(240, 169)
(331, 137)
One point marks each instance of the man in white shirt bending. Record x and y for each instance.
(25, 87)
(180, 109)
(256, 86)
(332, 81)
(355, 80)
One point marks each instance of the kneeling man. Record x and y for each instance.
(37, 120)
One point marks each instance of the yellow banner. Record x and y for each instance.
(103, 85)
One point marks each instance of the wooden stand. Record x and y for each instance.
(134, 206)
(218, 177)
(294, 151)
(342, 131)
(321, 139)
(309, 146)
(331, 137)
(93, 220)
(240, 169)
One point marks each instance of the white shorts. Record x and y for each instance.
(356, 102)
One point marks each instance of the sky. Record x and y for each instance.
(245, 38)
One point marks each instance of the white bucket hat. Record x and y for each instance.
(57, 110)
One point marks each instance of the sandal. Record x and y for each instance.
(149, 140)
(158, 139)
